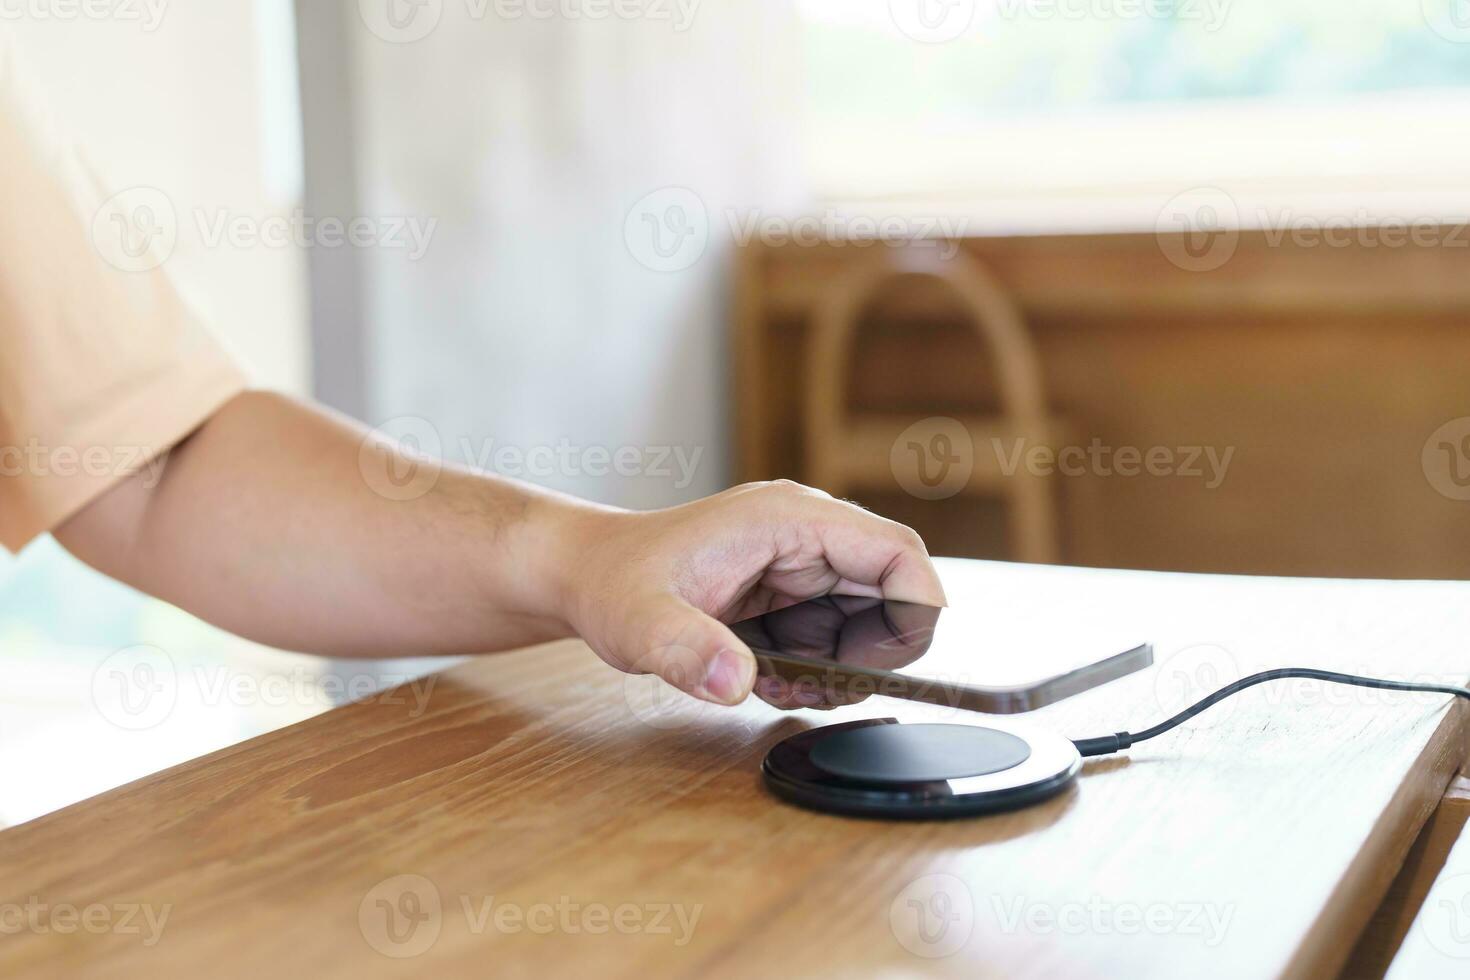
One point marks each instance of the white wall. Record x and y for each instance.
(529, 321)
(183, 104)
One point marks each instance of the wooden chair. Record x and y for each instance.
(845, 452)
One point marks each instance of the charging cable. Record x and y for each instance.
(1108, 744)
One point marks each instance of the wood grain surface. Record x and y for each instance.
(545, 815)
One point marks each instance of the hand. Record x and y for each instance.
(652, 592)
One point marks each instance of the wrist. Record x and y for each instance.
(562, 537)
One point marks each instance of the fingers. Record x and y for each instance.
(874, 556)
(885, 557)
(751, 550)
(689, 650)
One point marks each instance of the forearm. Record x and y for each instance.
(264, 524)
(267, 522)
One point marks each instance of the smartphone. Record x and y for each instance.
(849, 647)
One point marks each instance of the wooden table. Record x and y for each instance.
(545, 815)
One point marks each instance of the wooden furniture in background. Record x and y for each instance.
(847, 454)
(1253, 842)
(1322, 370)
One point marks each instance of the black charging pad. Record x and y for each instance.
(879, 767)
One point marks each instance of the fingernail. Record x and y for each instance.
(729, 677)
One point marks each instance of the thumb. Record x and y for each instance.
(685, 647)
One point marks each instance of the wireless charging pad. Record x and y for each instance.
(881, 768)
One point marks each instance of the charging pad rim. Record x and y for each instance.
(1052, 766)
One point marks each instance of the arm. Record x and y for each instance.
(263, 523)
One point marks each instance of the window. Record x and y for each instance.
(1054, 115)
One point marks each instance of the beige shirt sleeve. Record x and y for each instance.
(102, 367)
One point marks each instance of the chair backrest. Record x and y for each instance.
(829, 431)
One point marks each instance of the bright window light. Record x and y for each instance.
(1082, 114)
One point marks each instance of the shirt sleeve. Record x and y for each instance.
(102, 366)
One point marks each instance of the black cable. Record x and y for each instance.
(1108, 744)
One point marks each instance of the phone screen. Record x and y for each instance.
(848, 647)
